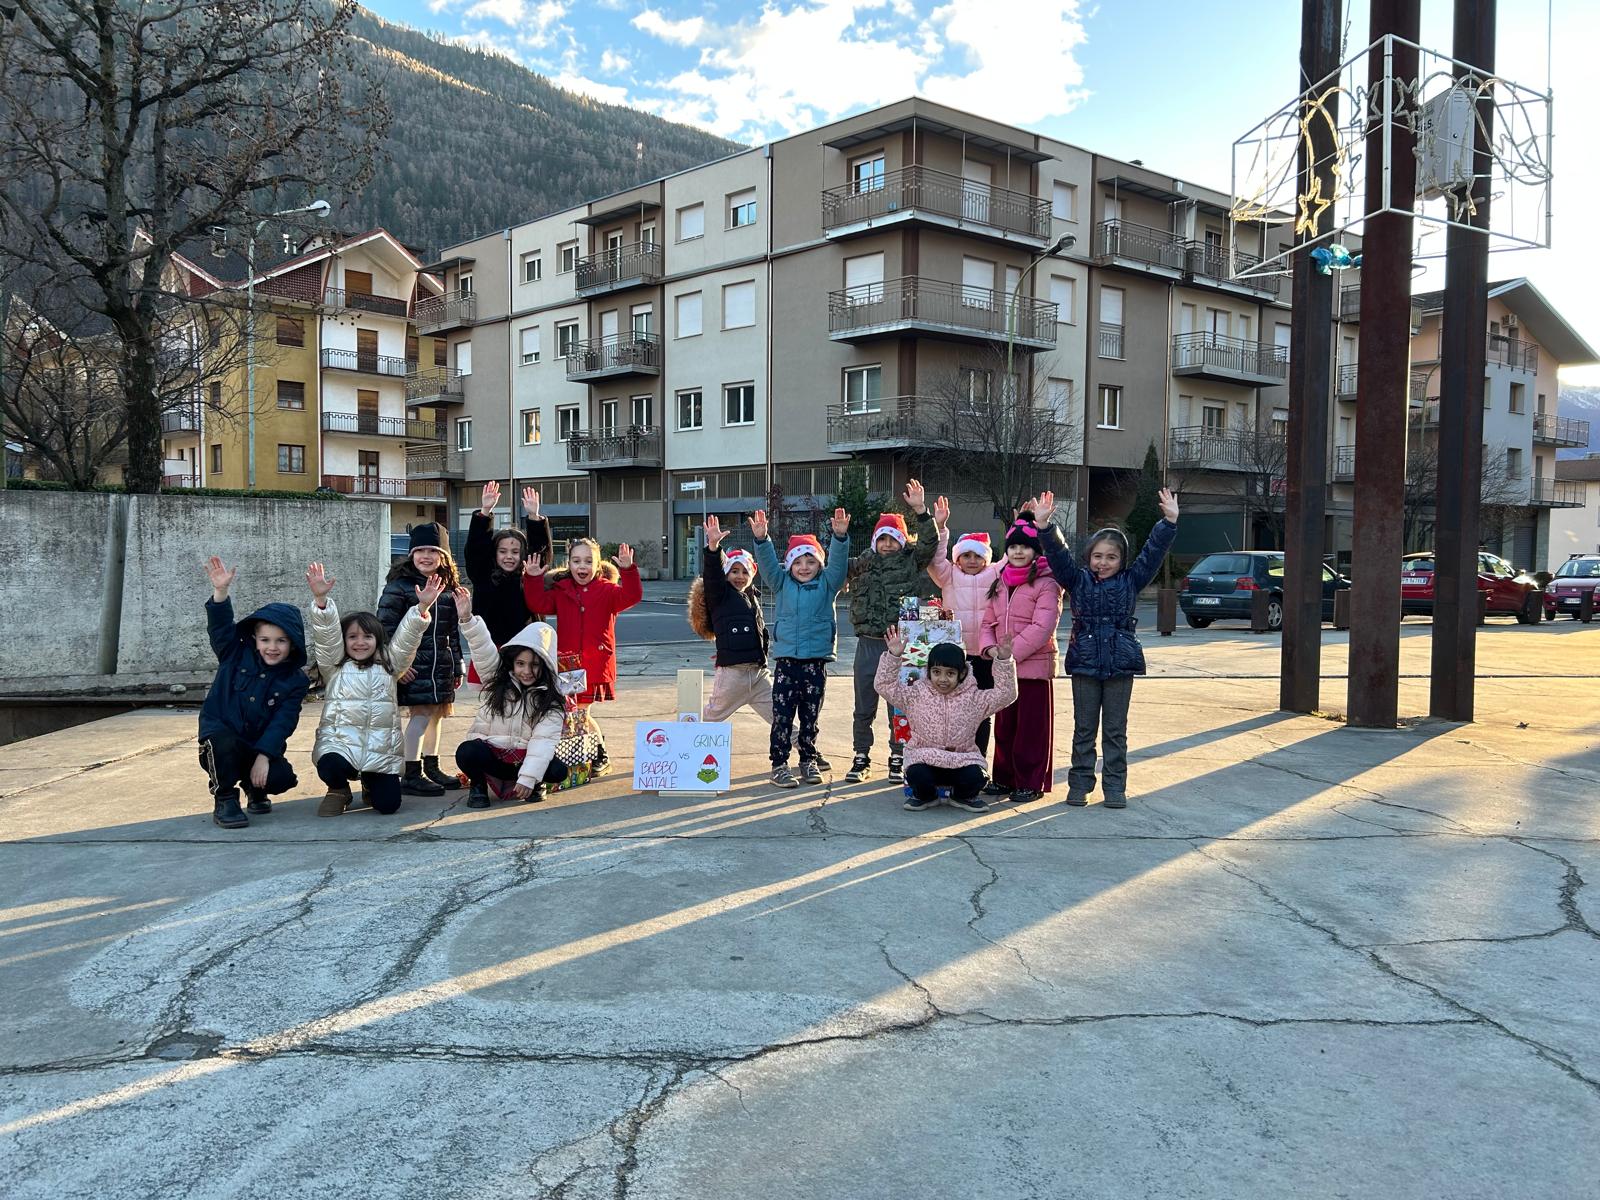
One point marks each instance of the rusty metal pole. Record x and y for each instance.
(1310, 358)
(1382, 372)
(1462, 351)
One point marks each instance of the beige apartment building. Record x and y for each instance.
(707, 341)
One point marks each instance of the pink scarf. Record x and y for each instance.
(1013, 576)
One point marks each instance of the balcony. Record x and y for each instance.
(1201, 447)
(1139, 248)
(449, 311)
(1206, 265)
(185, 419)
(173, 483)
(921, 195)
(1229, 360)
(363, 424)
(1513, 353)
(440, 385)
(1345, 379)
(435, 462)
(375, 487)
(1424, 415)
(891, 424)
(614, 357)
(342, 300)
(1112, 341)
(636, 446)
(636, 264)
(368, 364)
(1549, 430)
(1555, 493)
(913, 304)
(1350, 302)
(1344, 464)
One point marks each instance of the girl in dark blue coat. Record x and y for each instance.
(1104, 654)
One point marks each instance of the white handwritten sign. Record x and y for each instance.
(682, 756)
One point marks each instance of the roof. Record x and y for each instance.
(1549, 328)
(230, 268)
(1587, 467)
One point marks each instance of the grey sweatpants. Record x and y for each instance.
(1100, 705)
(868, 651)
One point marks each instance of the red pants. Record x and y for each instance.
(1024, 736)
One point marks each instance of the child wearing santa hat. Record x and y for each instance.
(725, 608)
(964, 580)
(895, 564)
(804, 640)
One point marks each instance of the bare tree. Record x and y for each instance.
(1199, 457)
(129, 130)
(1500, 494)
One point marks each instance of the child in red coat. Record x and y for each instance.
(585, 597)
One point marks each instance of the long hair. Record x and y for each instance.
(603, 569)
(500, 535)
(448, 571)
(369, 623)
(505, 697)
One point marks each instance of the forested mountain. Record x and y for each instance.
(480, 142)
(1584, 403)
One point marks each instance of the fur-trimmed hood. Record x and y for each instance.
(605, 569)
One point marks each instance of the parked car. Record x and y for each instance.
(1564, 592)
(1511, 593)
(1220, 586)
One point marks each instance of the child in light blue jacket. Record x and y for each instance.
(804, 640)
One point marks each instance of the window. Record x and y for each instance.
(866, 174)
(691, 222)
(569, 257)
(1513, 464)
(690, 415)
(739, 305)
(688, 318)
(1488, 393)
(216, 459)
(1212, 418)
(1519, 397)
(1111, 327)
(358, 283)
(291, 460)
(566, 339)
(647, 235)
(291, 394)
(863, 388)
(641, 411)
(214, 332)
(977, 280)
(531, 433)
(216, 395)
(413, 349)
(568, 422)
(464, 357)
(291, 332)
(529, 345)
(1059, 394)
(463, 433)
(1064, 201)
(532, 267)
(608, 418)
(1246, 328)
(1280, 339)
(1064, 292)
(974, 394)
(739, 404)
(366, 410)
(863, 278)
(464, 283)
(742, 209)
(1110, 407)
(441, 352)
(370, 466)
(644, 320)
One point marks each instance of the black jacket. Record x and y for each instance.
(260, 704)
(497, 597)
(736, 616)
(438, 662)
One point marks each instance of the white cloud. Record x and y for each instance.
(606, 93)
(1021, 57)
(679, 33)
(611, 63)
(486, 41)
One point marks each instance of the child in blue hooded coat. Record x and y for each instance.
(254, 702)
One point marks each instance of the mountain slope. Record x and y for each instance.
(1583, 403)
(480, 142)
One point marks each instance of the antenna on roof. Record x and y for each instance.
(219, 241)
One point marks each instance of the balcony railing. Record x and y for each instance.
(618, 267)
(181, 420)
(1208, 261)
(1344, 464)
(912, 302)
(394, 489)
(922, 191)
(1350, 302)
(897, 422)
(615, 356)
(435, 462)
(1556, 493)
(636, 446)
(1560, 431)
(1111, 341)
(175, 482)
(1205, 448)
(1424, 415)
(446, 312)
(339, 299)
(1125, 242)
(370, 364)
(1417, 390)
(1345, 377)
(1232, 360)
(1513, 353)
(372, 425)
(884, 423)
(438, 385)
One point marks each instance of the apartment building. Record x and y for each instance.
(1575, 527)
(342, 381)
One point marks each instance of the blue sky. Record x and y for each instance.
(1172, 83)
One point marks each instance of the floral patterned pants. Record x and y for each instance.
(798, 685)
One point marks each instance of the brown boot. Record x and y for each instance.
(335, 802)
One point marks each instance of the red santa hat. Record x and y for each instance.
(741, 558)
(802, 544)
(973, 543)
(892, 524)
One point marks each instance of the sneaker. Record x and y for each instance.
(860, 769)
(915, 803)
(784, 778)
(536, 796)
(969, 803)
(897, 768)
(1115, 800)
(430, 769)
(1077, 799)
(1024, 796)
(822, 763)
(415, 783)
(995, 789)
(260, 805)
(478, 796)
(334, 803)
(809, 773)
(225, 811)
(601, 764)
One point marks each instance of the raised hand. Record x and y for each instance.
(1043, 505)
(429, 592)
(893, 642)
(463, 601)
(624, 556)
(530, 502)
(534, 565)
(221, 578)
(320, 583)
(491, 498)
(941, 514)
(841, 523)
(916, 498)
(758, 526)
(1003, 642)
(714, 533)
(1168, 499)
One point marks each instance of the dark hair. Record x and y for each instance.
(370, 624)
(1033, 573)
(498, 536)
(1109, 534)
(504, 696)
(447, 568)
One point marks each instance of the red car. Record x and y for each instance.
(1564, 592)
(1511, 593)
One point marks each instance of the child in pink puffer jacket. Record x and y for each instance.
(964, 580)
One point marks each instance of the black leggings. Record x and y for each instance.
(381, 791)
(478, 759)
(964, 782)
(228, 760)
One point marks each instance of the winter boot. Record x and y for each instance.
(478, 796)
(601, 764)
(226, 811)
(260, 805)
(430, 768)
(415, 783)
(536, 796)
(897, 766)
(335, 802)
(860, 769)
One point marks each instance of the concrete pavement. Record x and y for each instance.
(1308, 960)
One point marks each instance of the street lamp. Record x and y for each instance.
(1065, 242)
(317, 208)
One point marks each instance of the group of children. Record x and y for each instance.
(1008, 610)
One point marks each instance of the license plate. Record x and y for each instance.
(1414, 581)
(1573, 600)
(1204, 600)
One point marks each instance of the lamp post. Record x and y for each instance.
(318, 208)
(1064, 242)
